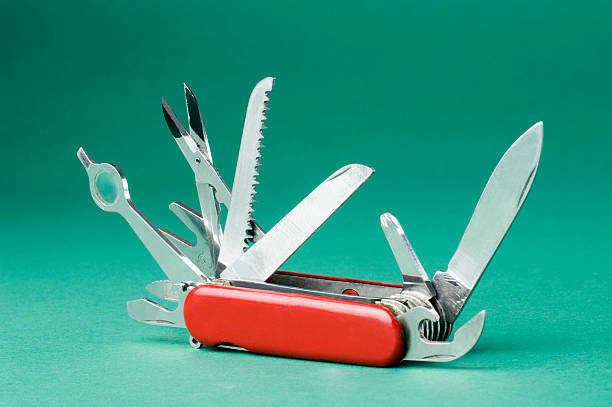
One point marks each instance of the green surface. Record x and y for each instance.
(428, 95)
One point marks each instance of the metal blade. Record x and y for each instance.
(280, 242)
(413, 274)
(499, 203)
(196, 124)
(239, 223)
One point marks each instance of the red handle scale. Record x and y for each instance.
(294, 325)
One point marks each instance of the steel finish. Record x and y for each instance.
(174, 264)
(295, 314)
(279, 243)
(499, 203)
(239, 223)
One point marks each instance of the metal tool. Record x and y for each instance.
(109, 189)
(499, 203)
(413, 274)
(212, 190)
(239, 223)
(268, 254)
(229, 291)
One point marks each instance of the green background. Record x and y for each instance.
(430, 95)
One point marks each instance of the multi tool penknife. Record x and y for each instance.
(227, 285)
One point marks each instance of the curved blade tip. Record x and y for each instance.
(267, 82)
(363, 169)
(387, 219)
(472, 329)
(536, 131)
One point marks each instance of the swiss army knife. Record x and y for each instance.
(227, 286)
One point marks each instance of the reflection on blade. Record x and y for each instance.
(498, 205)
(278, 244)
(413, 274)
(196, 125)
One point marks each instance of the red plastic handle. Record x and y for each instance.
(294, 325)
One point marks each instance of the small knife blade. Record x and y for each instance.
(279, 243)
(413, 274)
(499, 204)
(239, 223)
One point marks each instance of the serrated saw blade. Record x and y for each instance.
(239, 223)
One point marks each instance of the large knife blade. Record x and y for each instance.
(239, 223)
(499, 203)
(279, 243)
